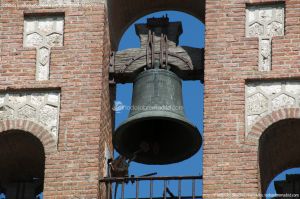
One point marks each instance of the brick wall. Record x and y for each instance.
(107, 96)
(230, 165)
(79, 70)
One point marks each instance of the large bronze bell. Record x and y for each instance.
(157, 131)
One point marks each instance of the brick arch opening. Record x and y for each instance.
(262, 124)
(123, 13)
(278, 149)
(129, 87)
(22, 165)
(23, 155)
(45, 137)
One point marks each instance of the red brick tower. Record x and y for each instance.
(54, 86)
(251, 95)
(55, 115)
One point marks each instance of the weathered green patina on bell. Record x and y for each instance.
(156, 131)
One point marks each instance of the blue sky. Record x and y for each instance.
(193, 35)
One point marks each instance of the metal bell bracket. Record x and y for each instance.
(159, 41)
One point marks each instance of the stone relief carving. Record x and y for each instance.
(42, 33)
(71, 2)
(107, 156)
(265, 22)
(6, 112)
(265, 55)
(41, 107)
(258, 104)
(263, 98)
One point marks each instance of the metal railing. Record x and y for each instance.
(110, 182)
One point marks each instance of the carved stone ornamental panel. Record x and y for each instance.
(71, 2)
(262, 98)
(265, 22)
(42, 33)
(40, 107)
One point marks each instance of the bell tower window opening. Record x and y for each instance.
(192, 37)
(279, 151)
(22, 174)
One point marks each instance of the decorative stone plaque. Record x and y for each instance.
(42, 33)
(71, 2)
(107, 156)
(265, 54)
(265, 22)
(41, 107)
(262, 98)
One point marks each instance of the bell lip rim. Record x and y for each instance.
(170, 73)
(192, 128)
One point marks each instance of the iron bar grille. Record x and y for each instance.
(137, 187)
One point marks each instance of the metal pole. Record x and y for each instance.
(179, 189)
(165, 187)
(137, 190)
(193, 188)
(123, 189)
(118, 179)
(151, 189)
